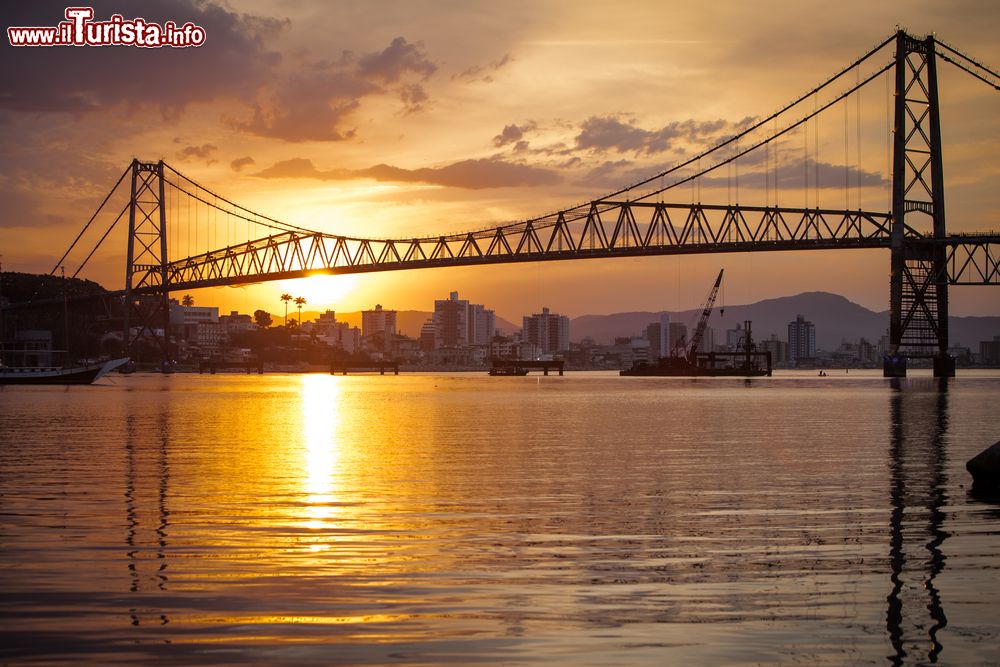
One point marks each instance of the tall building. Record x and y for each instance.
(707, 343)
(451, 316)
(378, 325)
(658, 335)
(549, 332)
(482, 324)
(734, 337)
(801, 339)
(678, 336)
(428, 336)
(777, 348)
(460, 323)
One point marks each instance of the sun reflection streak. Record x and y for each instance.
(321, 451)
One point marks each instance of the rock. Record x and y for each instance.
(985, 467)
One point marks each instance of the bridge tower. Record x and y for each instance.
(146, 261)
(918, 298)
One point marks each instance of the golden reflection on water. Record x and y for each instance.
(321, 455)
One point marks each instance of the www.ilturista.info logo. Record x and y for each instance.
(80, 30)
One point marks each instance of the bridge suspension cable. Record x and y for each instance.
(975, 63)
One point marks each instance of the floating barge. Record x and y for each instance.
(712, 364)
(517, 367)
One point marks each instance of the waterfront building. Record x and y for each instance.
(801, 339)
(658, 335)
(778, 349)
(378, 322)
(678, 335)
(734, 337)
(482, 324)
(429, 336)
(378, 327)
(336, 334)
(989, 351)
(549, 332)
(210, 337)
(451, 316)
(235, 322)
(707, 343)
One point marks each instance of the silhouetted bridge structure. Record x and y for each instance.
(632, 222)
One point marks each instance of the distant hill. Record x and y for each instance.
(835, 317)
(23, 287)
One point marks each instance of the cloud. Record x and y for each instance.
(239, 163)
(233, 62)
(791, 176)
(483, 73)
(316, 102)
(396, 60)
(203, 152)
(312, 105)
(606, 133)
(23, 209)
(513, 133)
(466, 174)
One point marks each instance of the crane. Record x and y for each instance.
(699, 331)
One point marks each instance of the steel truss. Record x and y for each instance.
(610, 229)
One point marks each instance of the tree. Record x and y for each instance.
(262, 318)
(300, 301)
(187, 300)
(286, 298)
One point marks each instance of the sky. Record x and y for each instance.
(383, 119)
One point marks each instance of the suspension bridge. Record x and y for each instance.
(183, 236)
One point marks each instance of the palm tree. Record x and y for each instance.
(187, 300)
(286, 298)
(300, 301)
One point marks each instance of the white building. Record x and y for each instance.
(378, 322)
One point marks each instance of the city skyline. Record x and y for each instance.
(531, 124)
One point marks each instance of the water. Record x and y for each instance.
(588, 519)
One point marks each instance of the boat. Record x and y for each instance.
(81, 374)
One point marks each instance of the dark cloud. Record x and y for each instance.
(233, 62)
(607, 133)
(467, 174)
(239, 163)
(792, 176)
(413, 97)
(203, 152)
(483, 73)
(512, 134)
(315, 103)
(396, 60)
(312, 105)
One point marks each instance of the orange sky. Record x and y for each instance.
(496, 111)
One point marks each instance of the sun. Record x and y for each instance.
(324, 291)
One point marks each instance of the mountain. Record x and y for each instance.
(835, 317)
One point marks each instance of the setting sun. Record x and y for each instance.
(322, 292)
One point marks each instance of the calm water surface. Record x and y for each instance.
(420, 519)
